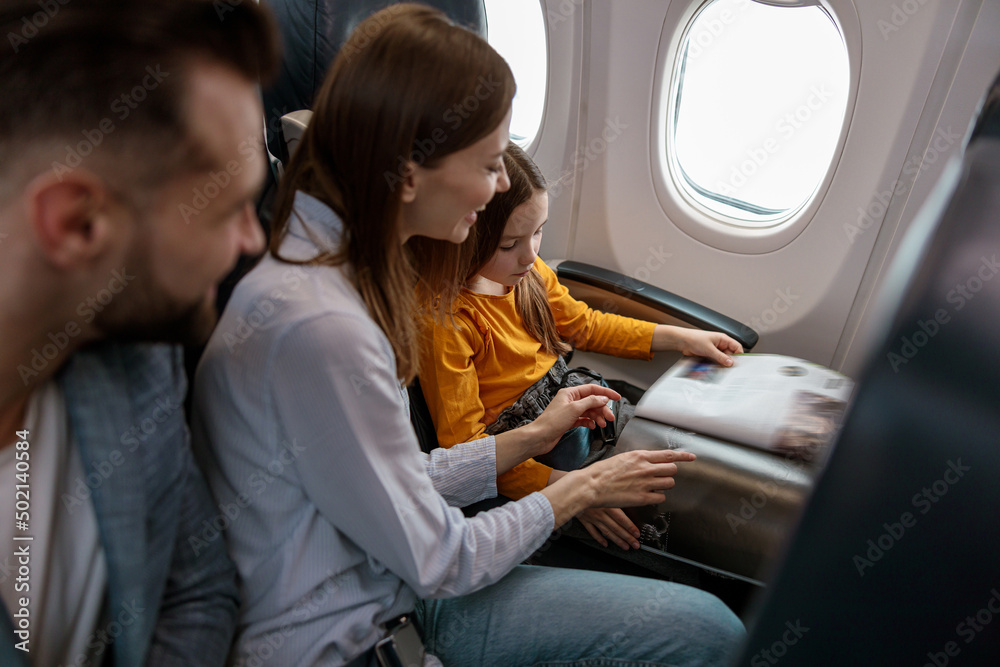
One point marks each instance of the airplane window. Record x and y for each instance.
(517, 31)
(759, 96)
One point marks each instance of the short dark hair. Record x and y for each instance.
(102, 81)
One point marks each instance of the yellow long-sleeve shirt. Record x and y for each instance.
(472, 373)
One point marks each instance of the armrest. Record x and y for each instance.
(676, 306)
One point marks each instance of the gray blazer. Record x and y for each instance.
(172, 595)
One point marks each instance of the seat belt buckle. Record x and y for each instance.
(402, 647)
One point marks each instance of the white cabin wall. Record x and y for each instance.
(967, 71)
(607, 210)
(565, 109)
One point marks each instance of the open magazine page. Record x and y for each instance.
(769, 401)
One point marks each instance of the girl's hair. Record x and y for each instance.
(407, 87)
(530, 295)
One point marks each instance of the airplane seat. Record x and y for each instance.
(313, 32)
(894, 560)
(295, 88)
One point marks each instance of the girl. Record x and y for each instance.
(342, 530)
(500, 363)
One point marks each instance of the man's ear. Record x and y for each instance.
(409, 182)
(70, 215)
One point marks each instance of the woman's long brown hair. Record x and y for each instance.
(408, 87)
(530, 295)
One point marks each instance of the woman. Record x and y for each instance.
(495, 362)
(337, 523)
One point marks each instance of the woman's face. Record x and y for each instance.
(522, 236)
(441, 202)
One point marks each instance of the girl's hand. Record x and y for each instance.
(586, 405)
(709, 344)
(610, 523)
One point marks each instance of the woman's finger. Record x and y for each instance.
(665, 455)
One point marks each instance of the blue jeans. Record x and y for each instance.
(570, 452)
(553, 616)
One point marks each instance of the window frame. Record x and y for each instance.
(532, 144)
(693, 218)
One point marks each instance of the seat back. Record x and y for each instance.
(420, 417)
(895, 558)
(313, 32)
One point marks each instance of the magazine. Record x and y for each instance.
(771, 401)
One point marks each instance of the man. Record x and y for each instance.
(130, 155)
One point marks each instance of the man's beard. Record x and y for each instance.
(144, 316)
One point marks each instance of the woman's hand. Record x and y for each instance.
(624, 480)
(610, 523)
(586, 405)
(635, 478)
(696, 343)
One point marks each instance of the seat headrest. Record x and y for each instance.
(896, 550)
(313, 31)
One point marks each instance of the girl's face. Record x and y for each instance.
(442, 202)
(522, 236)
